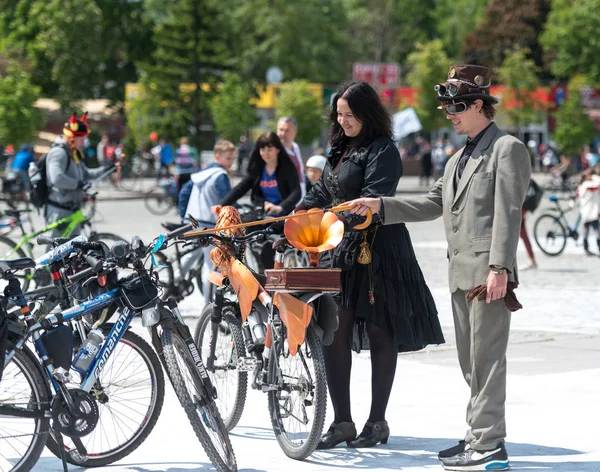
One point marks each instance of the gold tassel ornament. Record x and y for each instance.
(364, 254)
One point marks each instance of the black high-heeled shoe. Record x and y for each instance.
(372, 434)
(337, 433)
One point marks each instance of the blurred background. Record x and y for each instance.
(147, 70)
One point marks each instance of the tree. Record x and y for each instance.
(19, 119)
(61, 49)
(507, 24)
(454, 19)
(143, 114)
(386, 30)
(190, 56)
(296, 100)
(231, 110)
(306, 40)
(518, 73)
(429, 66)
(569, 38)
(126, 37)
(574, 127)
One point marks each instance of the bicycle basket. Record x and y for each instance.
(138, 291)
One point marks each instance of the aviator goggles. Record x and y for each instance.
(450, 90)
(454, 108)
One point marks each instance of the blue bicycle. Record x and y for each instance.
(68, 396)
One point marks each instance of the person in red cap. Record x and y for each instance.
(66, 174)
(479, 198)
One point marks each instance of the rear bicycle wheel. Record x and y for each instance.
(157, 201)
(298, 406)
(231, 383)
(550, 235)
(130, 394)
(23, 387)
(202, 412)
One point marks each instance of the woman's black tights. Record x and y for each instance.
(338, 364)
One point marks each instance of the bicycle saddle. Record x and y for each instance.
(170, 226)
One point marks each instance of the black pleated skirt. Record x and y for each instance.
(402, 303)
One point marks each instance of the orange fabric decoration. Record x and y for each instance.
(296, 316)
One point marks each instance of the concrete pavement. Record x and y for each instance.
(553, 385)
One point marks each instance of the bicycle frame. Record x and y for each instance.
(72, 221)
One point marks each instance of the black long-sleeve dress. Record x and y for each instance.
(401, 301)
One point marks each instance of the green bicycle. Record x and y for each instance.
(10, 249)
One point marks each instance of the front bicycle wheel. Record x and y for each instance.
(157, 201)
(130, 393)
(23, 387)
(550, 235)
(299, 404)
(201, 410)
(7, 253)
(231, 383)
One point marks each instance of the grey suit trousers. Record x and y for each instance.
(482, 332)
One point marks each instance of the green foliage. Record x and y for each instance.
(144, 115)
(19, 120)
(232, 112)
(570, 38)
(574, 127)
(518, 73)
(507, 24)
(454, 19)
(387, 30)
(190, 51)
(61, 48)
(296, 100)
(429, 66)
(307, 39)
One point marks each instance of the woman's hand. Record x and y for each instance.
(272, 209)
(360, 206)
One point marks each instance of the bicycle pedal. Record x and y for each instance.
(247, 364)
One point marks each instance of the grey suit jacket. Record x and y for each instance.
(482, 219)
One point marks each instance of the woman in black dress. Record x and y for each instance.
(384, 305)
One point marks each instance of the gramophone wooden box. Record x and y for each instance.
(303, 280)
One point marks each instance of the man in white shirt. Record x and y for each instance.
(287, 130)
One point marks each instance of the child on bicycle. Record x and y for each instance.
(589, 205)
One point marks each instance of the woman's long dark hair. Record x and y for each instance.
(367, 108)
(256, 163)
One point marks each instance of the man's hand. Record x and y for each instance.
(361, 205)
(496, 286)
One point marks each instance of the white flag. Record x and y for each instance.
(405, 122)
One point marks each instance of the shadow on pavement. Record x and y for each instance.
(404, 452)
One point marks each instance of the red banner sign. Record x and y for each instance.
(378, 75)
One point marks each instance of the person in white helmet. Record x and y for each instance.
(314, 169)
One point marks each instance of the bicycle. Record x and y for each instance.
(161, 199)
(551, 231)
(234, 342)
(138, 294)
(79, 405)
(9, 249)
(292, 257)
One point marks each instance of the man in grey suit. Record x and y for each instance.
(479, 198)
